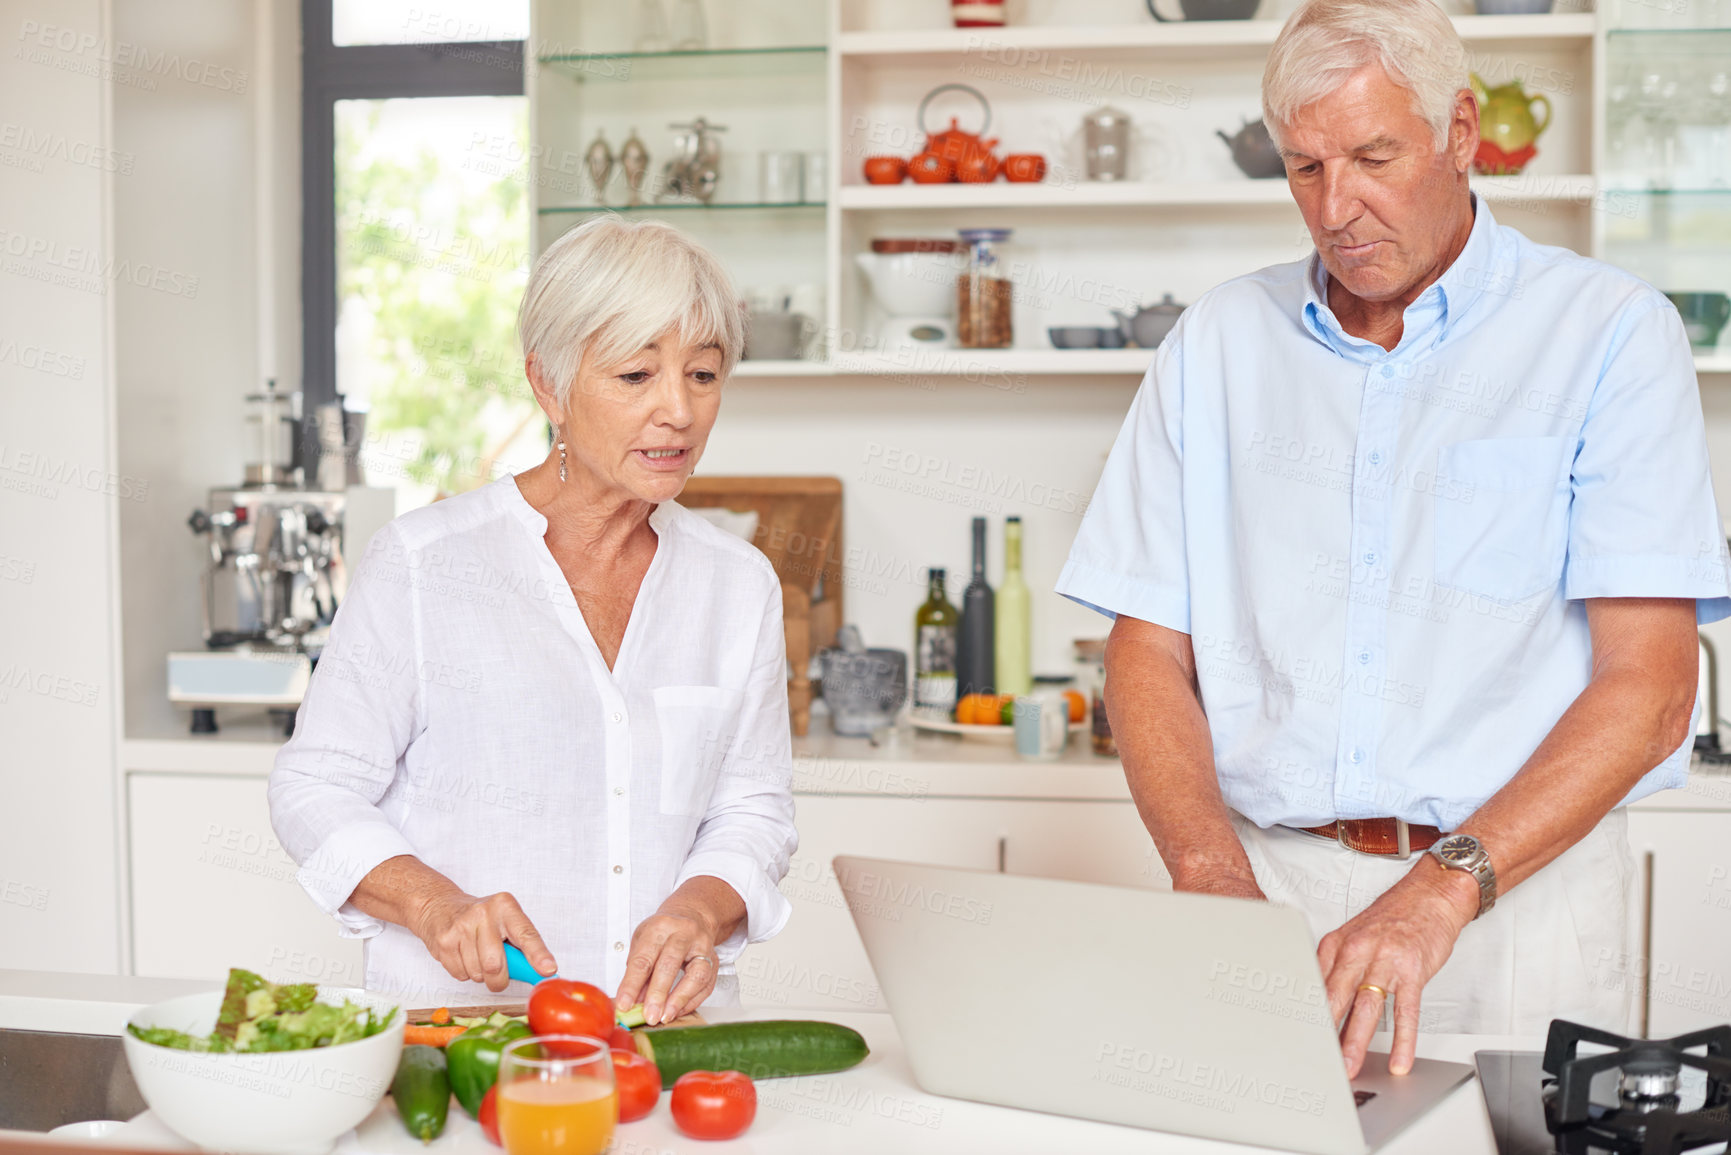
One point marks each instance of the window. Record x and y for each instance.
(417, 241)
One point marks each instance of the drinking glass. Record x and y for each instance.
(557, 1096)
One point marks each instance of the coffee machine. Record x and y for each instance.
(279, 561)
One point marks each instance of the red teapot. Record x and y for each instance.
(966, 154)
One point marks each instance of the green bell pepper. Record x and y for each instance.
(473, 1059)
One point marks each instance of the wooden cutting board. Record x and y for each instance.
(421, 1015)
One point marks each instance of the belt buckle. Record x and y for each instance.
(1402, 837)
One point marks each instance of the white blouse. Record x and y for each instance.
(462, 713)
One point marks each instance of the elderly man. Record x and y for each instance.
(1406, 544)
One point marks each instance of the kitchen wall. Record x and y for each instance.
(61, 490)
(187, 360)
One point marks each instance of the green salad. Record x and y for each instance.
(261, 1016)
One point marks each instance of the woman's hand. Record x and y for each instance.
(463, 932)
(680, 936)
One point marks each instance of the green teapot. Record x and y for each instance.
(1508, 131)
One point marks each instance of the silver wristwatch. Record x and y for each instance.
(1463, 852)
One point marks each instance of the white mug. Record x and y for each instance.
(1042, 725)
(781, 178)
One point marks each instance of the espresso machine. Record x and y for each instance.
(277, 567)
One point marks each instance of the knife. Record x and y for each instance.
(517, 965)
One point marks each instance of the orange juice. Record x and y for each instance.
(570, 1115)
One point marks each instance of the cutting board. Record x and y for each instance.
(423, 1014)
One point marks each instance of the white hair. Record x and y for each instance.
(1325, 41)
(609, 287)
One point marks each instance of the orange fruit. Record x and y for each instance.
(1078, 705)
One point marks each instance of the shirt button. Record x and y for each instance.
(1357, 756)
(1363, 660)
(1376, 459)
(1370, 559)
(618, 946)
(1388, 370)
(618, 717)
(619, 790)
(618, 870)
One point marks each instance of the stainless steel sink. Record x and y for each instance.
(48, 1078)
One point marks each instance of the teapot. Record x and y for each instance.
(1253, 150)
(1508, 131)
(1149, 324)
(954, 153)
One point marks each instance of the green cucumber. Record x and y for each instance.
(422, 1089)
(763, 1050)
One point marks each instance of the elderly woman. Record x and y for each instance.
(553, 711)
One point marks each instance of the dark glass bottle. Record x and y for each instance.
(975, 654)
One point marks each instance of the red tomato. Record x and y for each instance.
(639, 1085)
(565, 1007)
(713, 1104)
(622, 1040)
(489, 1116)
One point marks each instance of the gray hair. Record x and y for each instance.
(1326, 41)
(610, 286)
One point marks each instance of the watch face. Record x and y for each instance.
(1460, 849)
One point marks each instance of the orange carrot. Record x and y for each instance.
(430, 1035)
(442, 1016)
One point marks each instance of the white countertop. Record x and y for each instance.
(911, 763)
(876, 1108)
(79, 1003)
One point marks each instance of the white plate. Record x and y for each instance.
(942, 725)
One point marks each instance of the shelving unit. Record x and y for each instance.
(1186, 220)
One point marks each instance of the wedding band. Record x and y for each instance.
(704, 957)
(1373, 987)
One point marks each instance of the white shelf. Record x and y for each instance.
(1716, 362)
(996, 363)
(1091, 194)
(782, 369)
(1177, 37)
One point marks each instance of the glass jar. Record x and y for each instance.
(983, 293)
(1091, 674)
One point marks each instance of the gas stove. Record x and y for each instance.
(1639, 1096)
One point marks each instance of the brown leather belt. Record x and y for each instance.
(1377, 835)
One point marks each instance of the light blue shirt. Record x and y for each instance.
(1380, 557)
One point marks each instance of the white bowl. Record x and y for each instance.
(283, 1103)
(912, 284)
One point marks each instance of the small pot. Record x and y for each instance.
(1253, 151)
(885, 169)
(1025, 167)
(930, 168)
(1148, 325)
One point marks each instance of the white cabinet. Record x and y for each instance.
(818, 962)
(211, 888)
(1684, 971)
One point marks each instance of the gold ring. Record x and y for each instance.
(1373, 987)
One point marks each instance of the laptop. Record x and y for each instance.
(1187, 1013)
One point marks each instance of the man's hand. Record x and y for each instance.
(466, 935)
(1398, 943)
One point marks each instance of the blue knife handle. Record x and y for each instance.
(518, 967)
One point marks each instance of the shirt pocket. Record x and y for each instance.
(697, 725)
(1502, 510)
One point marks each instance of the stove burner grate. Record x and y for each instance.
(1647, 1118)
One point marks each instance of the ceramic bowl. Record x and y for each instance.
(885, 169)
(1512, 7)
(283, 1103)
(1025, 167)
(1085, 337)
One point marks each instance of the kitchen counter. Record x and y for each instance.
(910, 763)
(874, 1108)
(81, 1004)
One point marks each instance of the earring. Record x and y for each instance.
(561, 436)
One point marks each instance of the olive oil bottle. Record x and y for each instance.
(935, 625)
